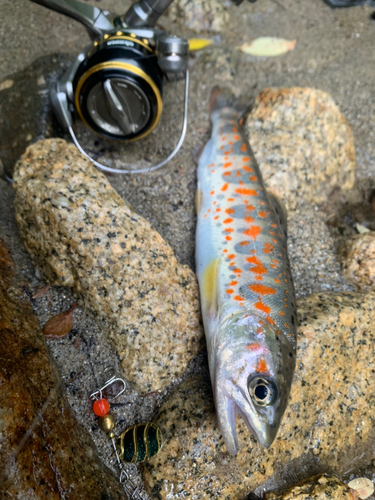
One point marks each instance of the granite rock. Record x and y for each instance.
(82, 235)
(358, 260)
(321, 487)
(200, 15)
(44, 452)
(302, 143)
(329, 421)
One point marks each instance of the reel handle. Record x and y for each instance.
(97, 21)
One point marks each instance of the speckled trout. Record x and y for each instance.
(246, 287)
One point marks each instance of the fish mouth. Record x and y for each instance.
(233, 401)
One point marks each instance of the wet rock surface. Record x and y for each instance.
(302, 143)
(358, 260)
(317, 488)
(44, 452)
(25, 109)
(327, 421)
(82, 235)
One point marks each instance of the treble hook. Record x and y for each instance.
(98, 394)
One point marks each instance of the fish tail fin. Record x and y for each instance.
(222, 99)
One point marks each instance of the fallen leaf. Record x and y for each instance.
(198, 43)
(363, 486)
(362, 229)
(42, 291)
(60, 325)
(268, 46)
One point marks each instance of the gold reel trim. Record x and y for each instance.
(131, 69)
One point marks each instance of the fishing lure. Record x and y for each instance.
(139, 443)
(246, 287)
(136, 444)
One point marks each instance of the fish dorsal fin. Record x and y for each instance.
(210, 288)
(279, 209)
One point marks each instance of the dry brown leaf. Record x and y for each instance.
(42, 291)
(60, 325)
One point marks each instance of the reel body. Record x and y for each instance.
(118, 87)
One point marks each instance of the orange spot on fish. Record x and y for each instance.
(263, 213)
(229, 211)
(231, 256)
(262, 307)
(228, 238)
(236, 137)
(237, 271)
(268, 248)
(254, 347)
(271, 232)
(275, 241)
(229, 291)
(259, 278)
(274, 225)
(231, 264)
(258, 268)
(245, 158)
(238, 173)
(277, 281)
(262, 366)
(247, 169)
(253, 178)
(215, 218)
(228, 221)
(249, 207)
(227, 174)
(225, 187)
(262, 289)
(230, 199)
(226, 153)
(227, 164)
(230, 142)
(244, 243)
(234, 130)
(248, 192)
(218, 210)
(243, 147)
(229, 230)
(261, 202)
(233, 283)
(223, 138)
(270, 320)
(282, 313)
(225, 250)
(275, 261)
(221, 147)
(238, 297)
(253, 232)
(212, 192)
(286, 281)
(286, 324)
(273, 266)
(249, 219)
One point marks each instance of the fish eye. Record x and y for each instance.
(262, 391)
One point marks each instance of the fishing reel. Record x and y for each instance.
(116, 84)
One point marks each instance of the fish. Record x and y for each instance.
(245, 280)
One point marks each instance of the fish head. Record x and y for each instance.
(253, 374)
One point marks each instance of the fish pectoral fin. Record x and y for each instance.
(210, 288)
(280, 209)
(226, 415)
(197, 152)
(198, 199)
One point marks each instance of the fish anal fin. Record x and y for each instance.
(210, 287)
(279, 209)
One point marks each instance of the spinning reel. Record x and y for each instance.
(116, 84)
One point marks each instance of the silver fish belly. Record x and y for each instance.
(246, 287)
